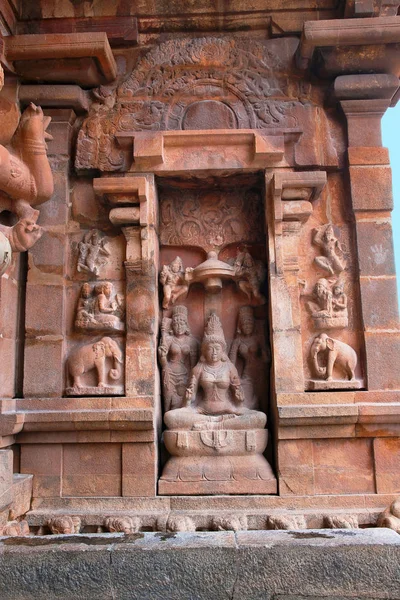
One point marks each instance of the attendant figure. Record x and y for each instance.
(250, 350)
(178, 354)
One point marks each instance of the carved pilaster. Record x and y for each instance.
(293, 194)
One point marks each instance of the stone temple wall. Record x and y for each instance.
(198, 312)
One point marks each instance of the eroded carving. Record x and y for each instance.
(230, 523)
(341, 522)
(100, 308)
(122, 524)
(92, 253)
(287, 522)
(176, 523)
(98, 357)
(335, 354)
(15, 529)
(175, 281)
(390, 517)
(178, 354)
(249, 349)
(64, 525)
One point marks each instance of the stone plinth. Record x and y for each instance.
(217, 462)
(249, 564)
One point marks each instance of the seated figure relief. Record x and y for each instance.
(178, 354)
(100, 309)
(249, 349)
(214, 398)
(328, 306)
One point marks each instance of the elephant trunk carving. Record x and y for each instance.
(317, 368)
(116, 371)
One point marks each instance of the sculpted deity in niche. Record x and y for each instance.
(250, 349)
(175, 281)
(178, 354)
(214, 398)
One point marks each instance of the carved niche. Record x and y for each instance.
(201, 83)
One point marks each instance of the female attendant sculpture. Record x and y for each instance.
(178, 353)
(249, 348)
(214, 398)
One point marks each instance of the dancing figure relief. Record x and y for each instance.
(175, 281)
(333, 260)
(93, 253)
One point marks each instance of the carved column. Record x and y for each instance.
(137, 218)
(45, 293)
(364, 100)
(292, 196)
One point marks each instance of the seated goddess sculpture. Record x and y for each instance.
(214, 398)
(178, 353)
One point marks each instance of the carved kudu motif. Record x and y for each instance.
(25, 178)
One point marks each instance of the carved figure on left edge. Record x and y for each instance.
(178, 354)
(249, 347)
(26, 180)
(249, 275)
(92, 252)
(333, 259)
(94, 356)
(336, 354)
(214, 398)
(175, 281)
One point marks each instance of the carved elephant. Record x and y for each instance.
(337, 354)
(93, 356)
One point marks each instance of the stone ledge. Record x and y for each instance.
(224, 565)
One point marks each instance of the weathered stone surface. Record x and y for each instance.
(251, 565)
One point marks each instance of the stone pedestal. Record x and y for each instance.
(217, 462)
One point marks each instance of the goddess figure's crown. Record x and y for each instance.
(179, 309)
(213, 331)
(246, 312)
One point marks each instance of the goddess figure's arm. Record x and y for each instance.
(191, 390)
(236, 385)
